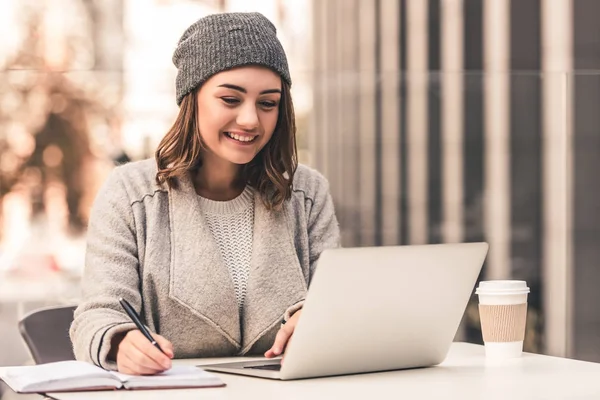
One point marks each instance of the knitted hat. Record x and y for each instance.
(223, 41)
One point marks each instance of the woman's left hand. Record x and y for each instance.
(283, 336)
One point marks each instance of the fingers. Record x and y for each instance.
(128, 366)
(136, 354)
(270, 354)
(283, 336)
(150, 352)
(280, 341)
(140, 364)
(164, 344)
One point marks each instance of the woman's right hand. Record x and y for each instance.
(137, 356)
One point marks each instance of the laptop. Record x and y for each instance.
(374, 309)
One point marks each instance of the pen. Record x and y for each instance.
(136, 320)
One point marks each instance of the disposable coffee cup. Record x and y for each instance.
(503, 315)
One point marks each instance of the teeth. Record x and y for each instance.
(240, 138)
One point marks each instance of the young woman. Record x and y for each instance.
(214, 241)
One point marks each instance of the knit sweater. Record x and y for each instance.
(151, 245)
(231, 223)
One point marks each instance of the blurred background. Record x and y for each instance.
(434, 120)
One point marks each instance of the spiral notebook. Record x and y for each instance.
(67, 376)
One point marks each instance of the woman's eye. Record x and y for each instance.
(268, 104)
(230, 100)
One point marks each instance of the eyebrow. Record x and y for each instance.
(241, 89)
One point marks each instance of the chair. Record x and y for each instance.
(46, 333)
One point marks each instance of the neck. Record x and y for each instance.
(218, 180)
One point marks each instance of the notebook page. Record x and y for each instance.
(65, 374)
(177, 376)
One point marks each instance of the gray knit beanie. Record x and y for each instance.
(223, 41)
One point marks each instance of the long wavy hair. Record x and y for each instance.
(271, 172)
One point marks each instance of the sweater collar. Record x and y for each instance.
(233, 206)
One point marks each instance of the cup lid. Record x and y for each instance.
(502, 287)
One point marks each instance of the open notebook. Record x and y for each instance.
(79, 376)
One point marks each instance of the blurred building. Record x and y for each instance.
(468, 120)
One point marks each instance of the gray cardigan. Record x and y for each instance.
(150, 245)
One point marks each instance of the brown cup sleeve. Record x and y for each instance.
(503, 323)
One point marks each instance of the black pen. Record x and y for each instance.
(136, 320)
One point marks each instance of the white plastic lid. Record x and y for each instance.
(502, 287)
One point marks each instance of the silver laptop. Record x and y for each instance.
(375, 309)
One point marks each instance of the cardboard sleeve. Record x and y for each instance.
(503, 323)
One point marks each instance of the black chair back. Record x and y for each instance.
(46, 333)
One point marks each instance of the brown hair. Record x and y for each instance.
(271, 172)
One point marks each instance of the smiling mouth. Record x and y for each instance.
(241, 138)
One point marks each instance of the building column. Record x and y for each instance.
(497, 137)
(367, 114)
(416, 114)
(389, 75)
(557, 264)
(452, 120)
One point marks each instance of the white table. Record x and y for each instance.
(464, 374)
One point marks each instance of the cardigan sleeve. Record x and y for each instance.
(323, 228)
(111, 271)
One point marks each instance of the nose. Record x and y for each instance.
(248, 117)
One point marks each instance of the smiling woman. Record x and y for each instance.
(214, 242)
(238, 114)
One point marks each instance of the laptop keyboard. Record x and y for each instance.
(269, 367)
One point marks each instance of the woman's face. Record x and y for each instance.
(237, 112)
